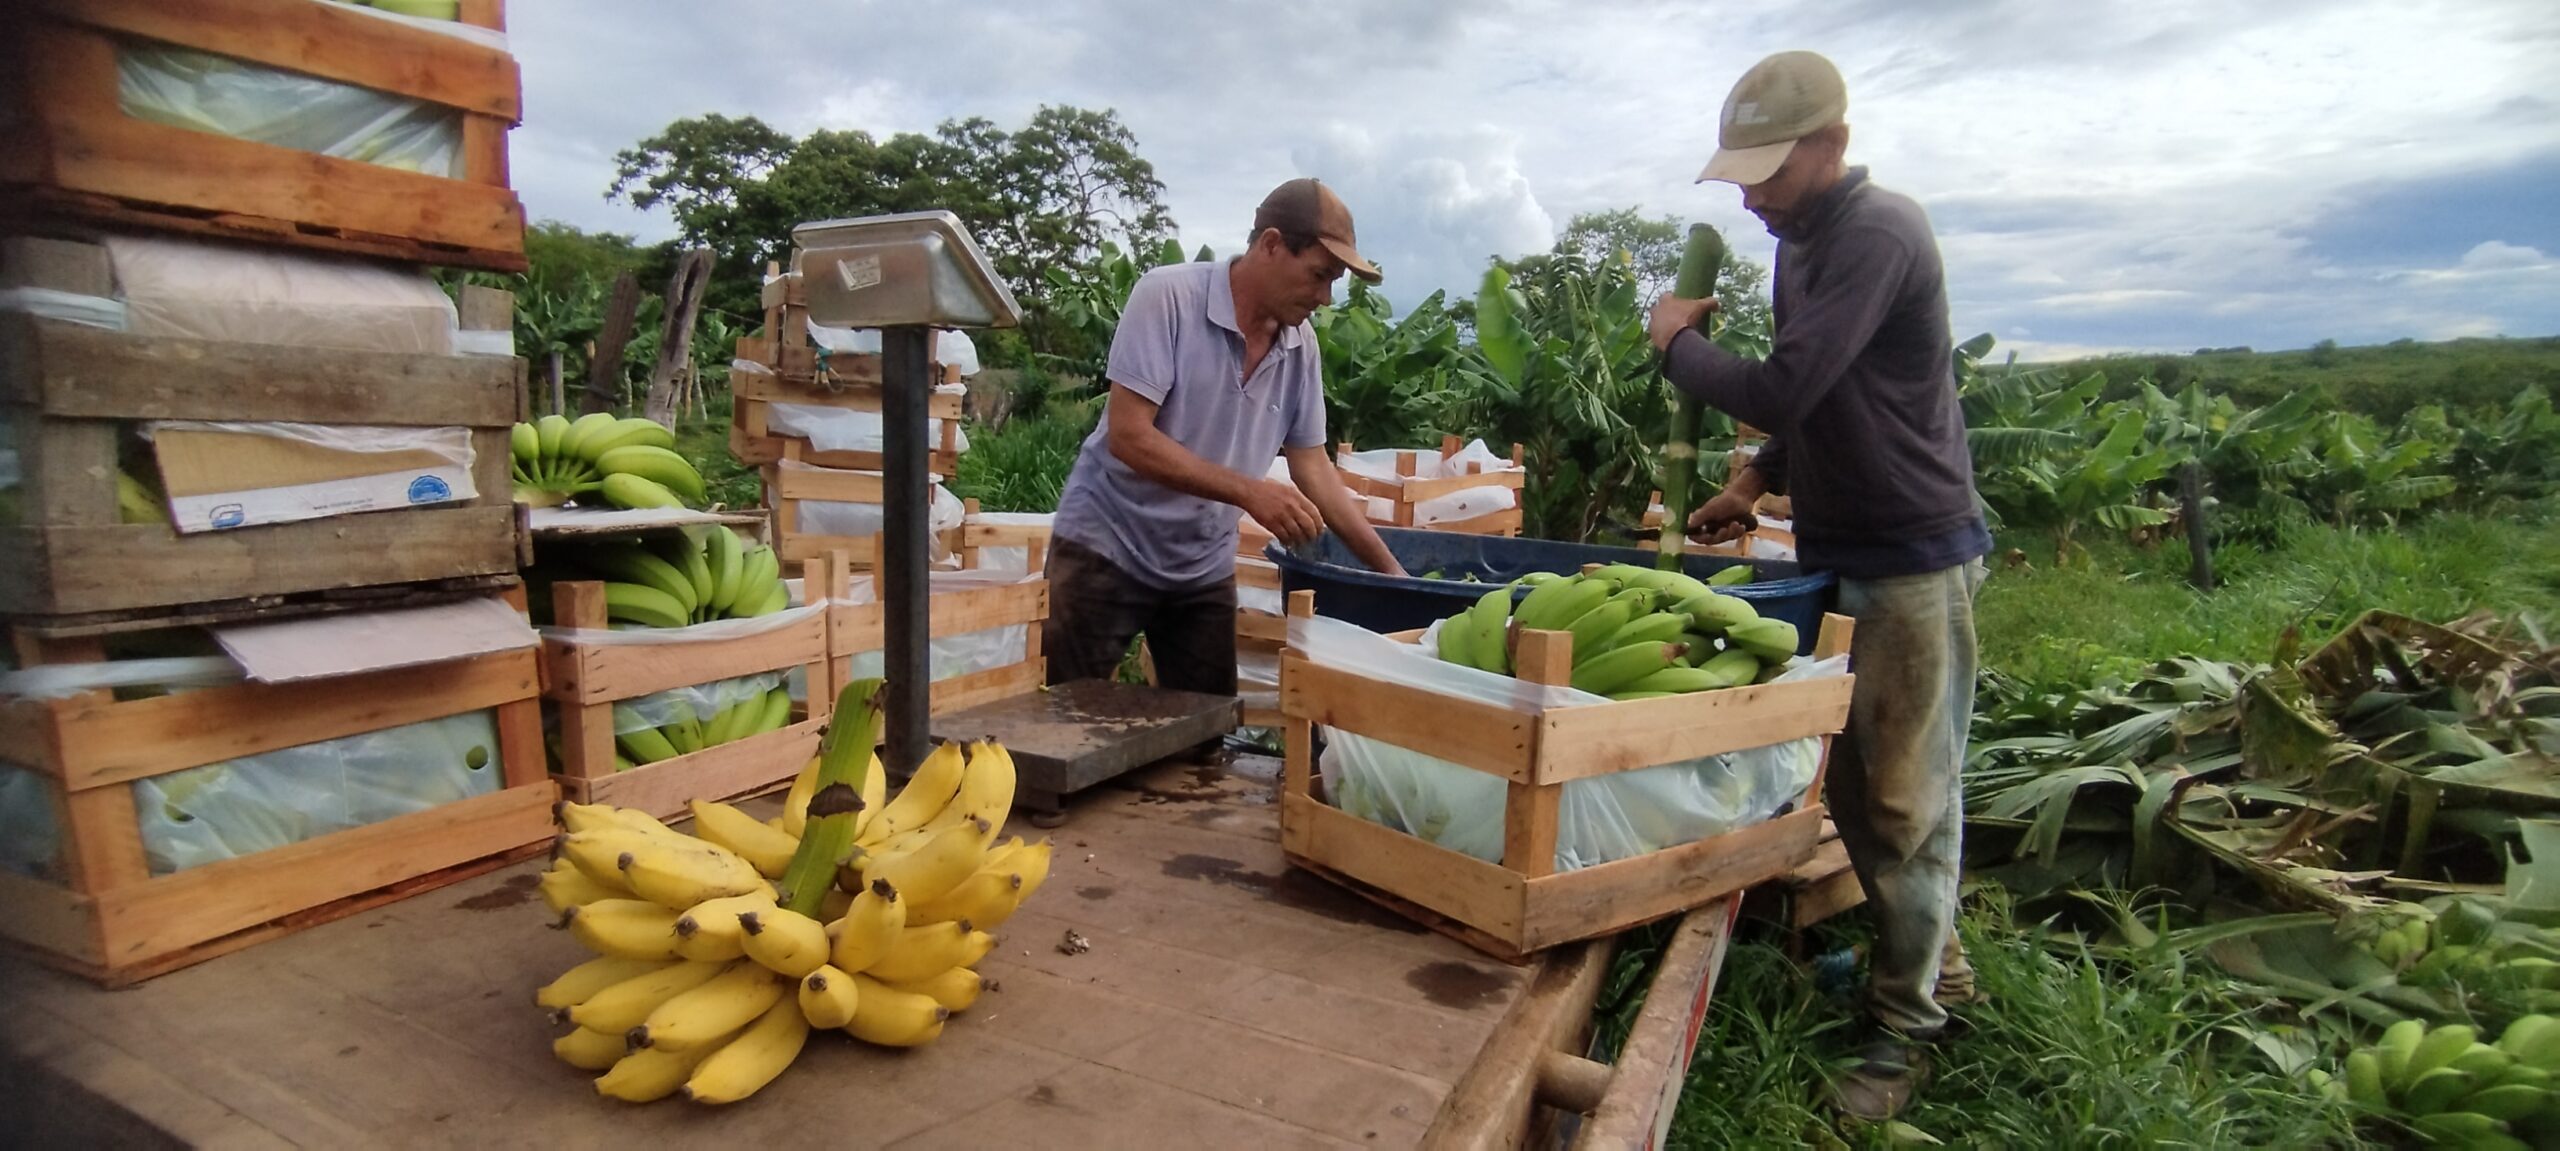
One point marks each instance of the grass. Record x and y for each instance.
(1022, 466)
(2129, 606)
(2070, 1051)
(2382, 381)
(706, 442)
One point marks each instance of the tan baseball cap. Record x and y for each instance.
(1305, 207)
(1779, 101)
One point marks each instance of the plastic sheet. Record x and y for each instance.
(30, 839)
(69, 307)
(1380, 464)
(842, 429)
(64, 680)
(1010, 560)
(225, 810)
(204, 92)
(831, 518)
(207, 290)
(953, 656)
(1601, 819)
(698, 702)
(952, 348)
(712, 632)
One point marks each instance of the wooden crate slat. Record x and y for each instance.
(321, 40)
(824, 485)
(50, 917)
(1416, 491)
(1262, 626)
(1505, 522)
(854, 392)
(201, 903)
(1604, 738)
(52, 570)
(738, 768)
(863, 627)
(603, 673)
(984, 535)
(1482, 736)
(1608, 897)
(1480, 894)
(114, 742)
(72, 370)
(962, 692)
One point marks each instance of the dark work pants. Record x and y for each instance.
(1095, 608)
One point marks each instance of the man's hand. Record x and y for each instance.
(1281, 510)
(1725, 518)
(1672, 315)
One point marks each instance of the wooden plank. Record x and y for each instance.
(49, 916)
(855, 390)
(1635, 1112)
(69, 468)
(102, 840)
(1505, 522)
(1478, 735)
(80, 568)
(321, 40)
(1262, 627)
(120, 741)
(862, 627)
(985, 535)
(1614, 896)
(1599, 739)
(203, 903)
(961, 692)
(76, 371)
(1480, 894)
(1416, 491)
(741, 767)
(604, 672)
(1491, 1105)
(792, 483)
(520, 751)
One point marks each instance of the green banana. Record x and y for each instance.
(2398, 1042)
(1591, 632)
(2364, 1079)
(1773, 640)
(777, 596)
(1659, 627)
(1619, 670)
(759, 571)
(625, 490)
(525, 444)
(2482, 1062)
(2508, 1103)
(1643, 599)
(1714, 612)
(1490, 619)
(2434, 1091)
(1734, 668)
(1456, 637)
(1633, 694)
(573, 440)
(2438, 1050)
(2533, 1040)
(685, 554)
(728, 561)
(777, 711)
(653, 463)
(686, 734)
(136, 503)
(1727, 577)
(643, 745)
(626, 433)
(632, 563)
(1553, 605)
(1678, 679)
(1535, 579)
(2459, 1128)
(643, 605)
(548, 432)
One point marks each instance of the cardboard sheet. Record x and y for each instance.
(322, 646)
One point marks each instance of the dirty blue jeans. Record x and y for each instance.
(1895, 784)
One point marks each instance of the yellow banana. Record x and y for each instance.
(979, 944)
(955, 989)
(871, 926)
(894, 1018)
(1032, 864)
(563, 886)
(598, 851)
(650, 1074)
(722, 1004)
(710, 931)
(931, 869)
(875, 797)
(580, 983)
(742, 1066)
(922, 953)
(678, 876)
(986, 787)
(631, 928)
(767, 850)
(784, 941)
(597, 816)
(624, 1005)
(590, 1050)
(828, 997)
(985, 899)
(795, 806)
(927, 792)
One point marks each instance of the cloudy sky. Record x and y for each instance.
(2103, 175)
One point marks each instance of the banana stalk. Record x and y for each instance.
(1696, 281)
(844, 756)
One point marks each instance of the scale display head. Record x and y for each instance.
(910, 269)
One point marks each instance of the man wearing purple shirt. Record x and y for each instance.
(1858, 395)
(1214, 372)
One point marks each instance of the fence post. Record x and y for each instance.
(2199, 538)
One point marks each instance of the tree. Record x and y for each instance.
(704, 170)
(1653, 249)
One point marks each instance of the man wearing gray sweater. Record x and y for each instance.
(1858, 396)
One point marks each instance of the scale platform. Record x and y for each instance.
(1071, 736)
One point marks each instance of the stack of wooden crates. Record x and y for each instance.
(82, 584)
(794, 370)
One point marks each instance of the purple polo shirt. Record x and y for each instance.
(1178, 345)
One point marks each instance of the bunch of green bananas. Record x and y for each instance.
(1638, 633)
(629, 462)
(2454, 1089)
(755, 715)
(137, 502)
(2467, 943)
(695, 575)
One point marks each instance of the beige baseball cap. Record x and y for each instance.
(1779, 101)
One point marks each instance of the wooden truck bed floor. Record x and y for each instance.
(1225, 1000)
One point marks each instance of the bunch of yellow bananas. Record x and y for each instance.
(707, 985)
(629, 461)
(2454, 1089)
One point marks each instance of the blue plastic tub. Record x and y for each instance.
(1347, 590)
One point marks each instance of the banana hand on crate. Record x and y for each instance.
(626, 462)
(1638, 633)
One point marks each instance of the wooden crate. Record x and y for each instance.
(976, 535)
(1402, 498)
(584, 681)
(68, 151)
(111, 920)
(69, 389)
(1522, 904)
(799, 372)
(1259, 632)
(854, 629)
(786, 487)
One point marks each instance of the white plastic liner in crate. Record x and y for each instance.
(953, 656)
(1475, 458)
(1602, 818)
(205, 92)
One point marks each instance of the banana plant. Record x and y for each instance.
(2364, 477)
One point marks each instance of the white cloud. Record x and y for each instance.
(1431, 206)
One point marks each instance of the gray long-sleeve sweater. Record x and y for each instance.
(1858, 394)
